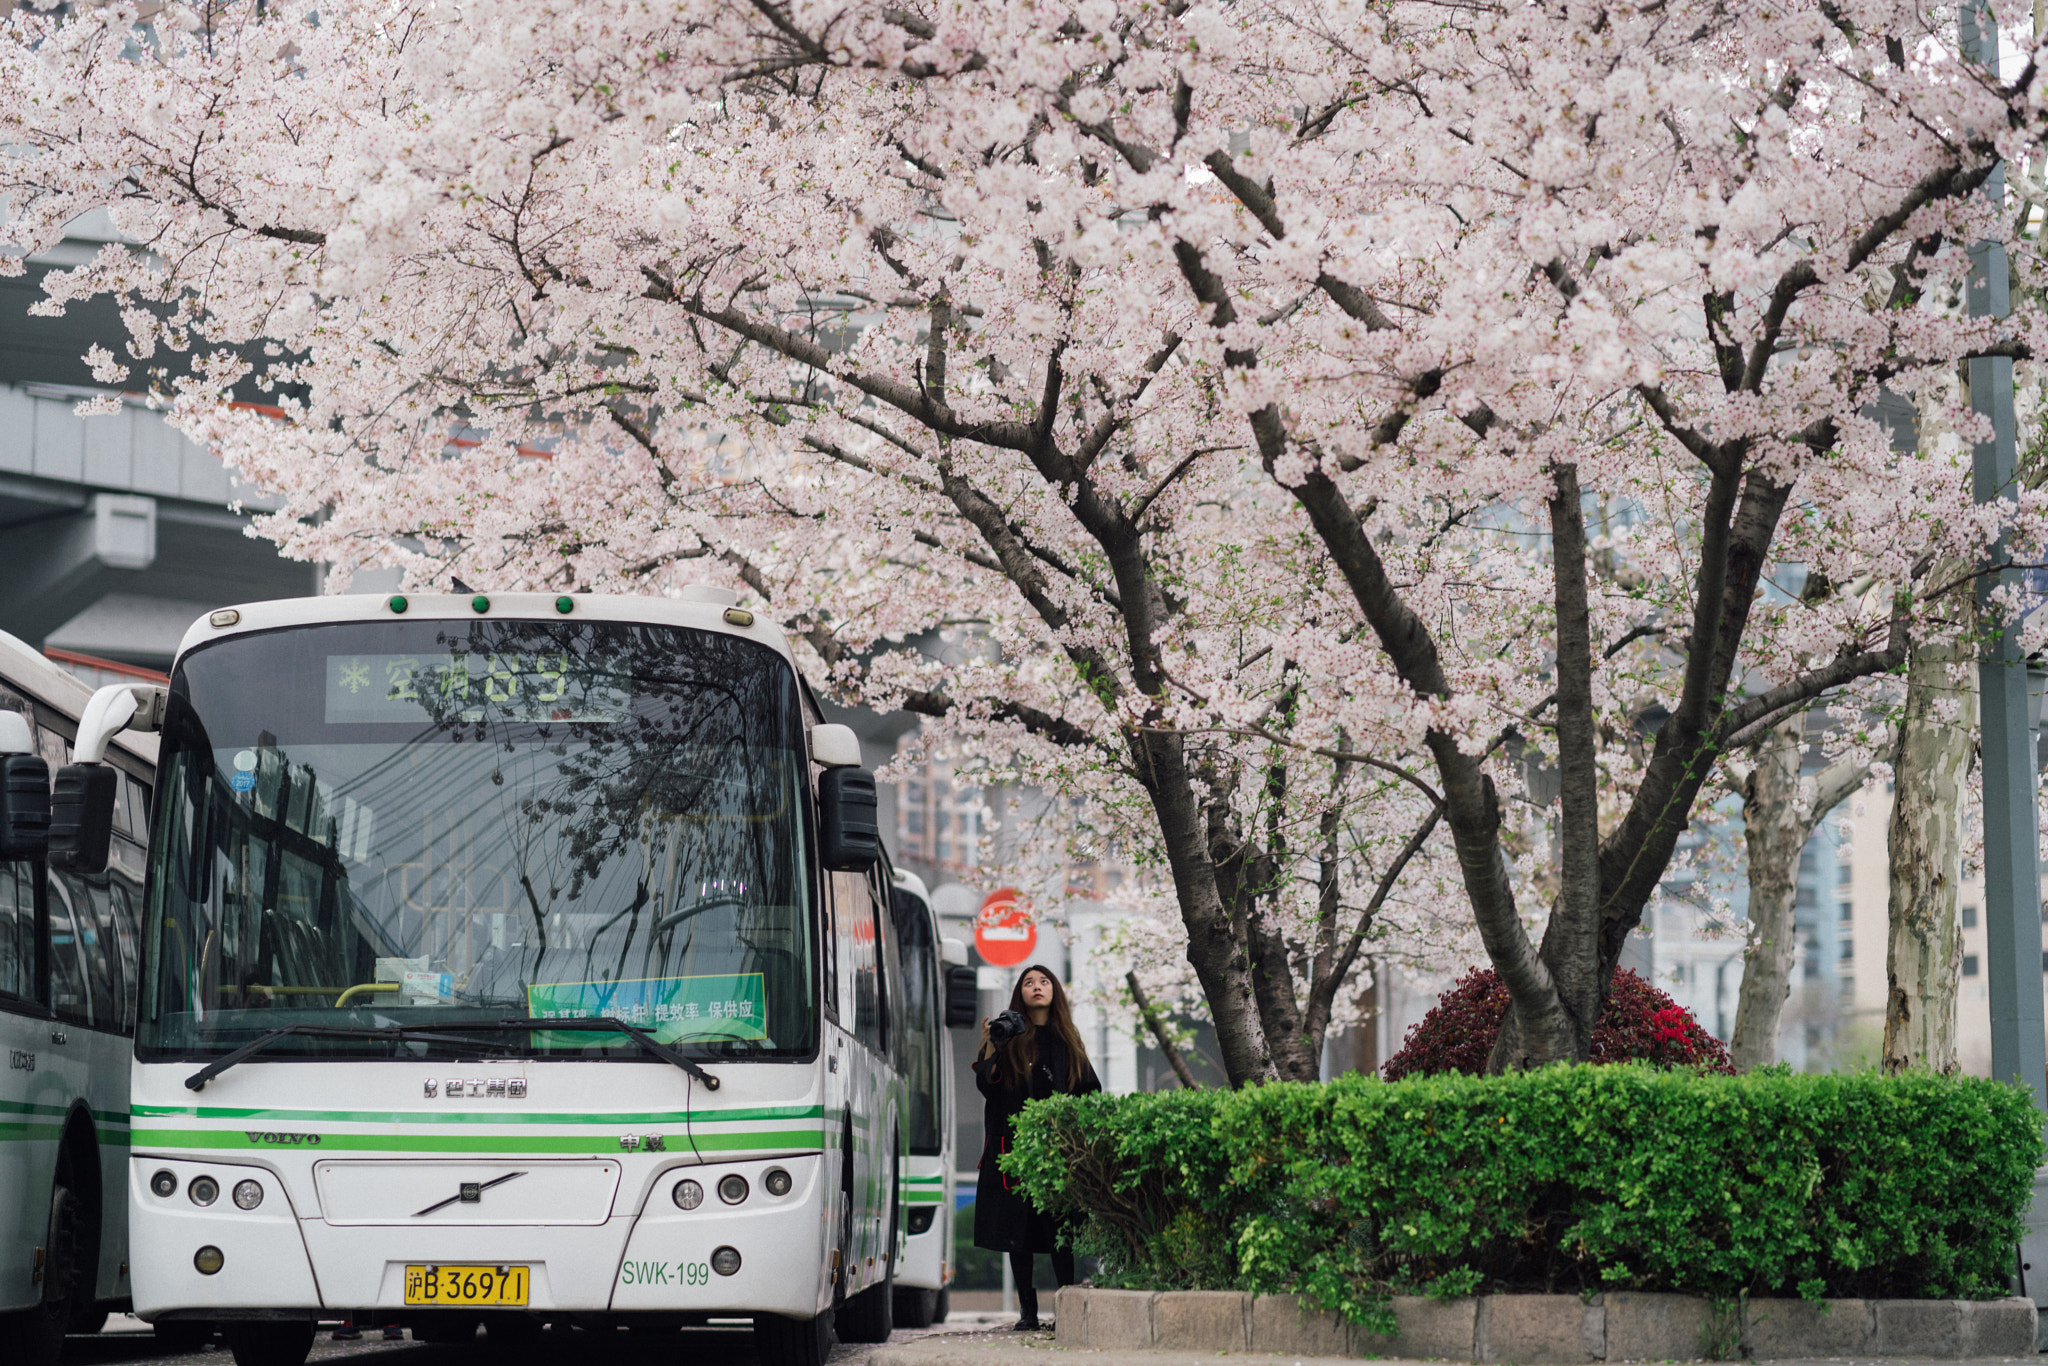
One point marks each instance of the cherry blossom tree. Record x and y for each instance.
(1335, 417)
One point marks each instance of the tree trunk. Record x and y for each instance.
(1571, 942)
(1936, 745)
(1775, 830)
(1778, 818)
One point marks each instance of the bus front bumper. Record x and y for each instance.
(663, 1260)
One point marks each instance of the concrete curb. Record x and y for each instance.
(1533, 1329)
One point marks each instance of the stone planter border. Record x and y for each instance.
(1616, 1326)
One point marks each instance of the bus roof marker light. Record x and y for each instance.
(398, 603)
(480, 603)
(565, 604)
(226, 616)
(739, 616)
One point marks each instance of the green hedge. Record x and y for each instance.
(1563, 1179)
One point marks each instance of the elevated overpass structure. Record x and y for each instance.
(115, 531)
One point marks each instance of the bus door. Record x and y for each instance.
(32, 1093)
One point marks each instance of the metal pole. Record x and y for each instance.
(2012, 881)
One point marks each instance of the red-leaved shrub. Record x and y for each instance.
(1639, 1022)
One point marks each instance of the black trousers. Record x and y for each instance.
(1021, 1272)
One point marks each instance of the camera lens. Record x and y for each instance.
(687, 1195)
(777, 1182)
(204, 1190)
(163, 1183)
(248, 1194)
(732, 1188)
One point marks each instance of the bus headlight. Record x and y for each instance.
(164, 1184)
(687, 1195)
(777, 1181)
(248, 1194)
(204, 1190)
(732, 1188)
(208, 1260)
(725, 1261)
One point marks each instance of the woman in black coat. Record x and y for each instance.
(1047, 1056)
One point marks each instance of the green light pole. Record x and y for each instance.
(2012, 880)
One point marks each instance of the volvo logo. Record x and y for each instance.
(468, 1193)
(495, 1088)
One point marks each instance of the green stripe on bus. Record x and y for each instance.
(924, 1197)
(763, 1141)
(13, 1132)
(727, 1144)
(923, 1180)
(22, 1107)
(221, 1113)
(426, 1143)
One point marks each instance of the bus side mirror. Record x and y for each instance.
(24, 792)
(963, 998)
(849, 832)
(82, 818)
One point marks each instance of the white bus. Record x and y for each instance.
(934, 997)
(507, 959)
(68, 950)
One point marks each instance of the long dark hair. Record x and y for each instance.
(1016, 1056)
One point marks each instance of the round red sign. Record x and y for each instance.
(1003, 932)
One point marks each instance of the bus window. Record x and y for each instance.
(70, 995)
(122, 941)
(891, 964)
(859, 975)
(17, 932)
(919, 1038)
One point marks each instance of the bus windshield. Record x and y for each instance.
(424, 821)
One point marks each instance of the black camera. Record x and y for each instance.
(1007, 1025)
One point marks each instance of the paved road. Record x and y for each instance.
(130, 1342)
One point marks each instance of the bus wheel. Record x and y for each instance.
(943, 1305)
(87, 1320)
(915, 1308)
(271, 1344)
(35, 1336)
(870, 1315)
(792, 1342)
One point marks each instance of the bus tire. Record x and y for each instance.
(35, 1337)
(915, 1308)
(943, 1305)
(792, 1342)
(87, 1319)
(271, 1343)
(870, 1316)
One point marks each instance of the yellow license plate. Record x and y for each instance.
(465, 1285)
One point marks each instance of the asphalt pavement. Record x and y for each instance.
(971, 1339)
(127, 1341)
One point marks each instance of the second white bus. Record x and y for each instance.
(515, 958)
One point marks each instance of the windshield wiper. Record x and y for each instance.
(602, 1023)
(609, 1024)
(262, 1041)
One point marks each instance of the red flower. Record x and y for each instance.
(1639, 1022)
